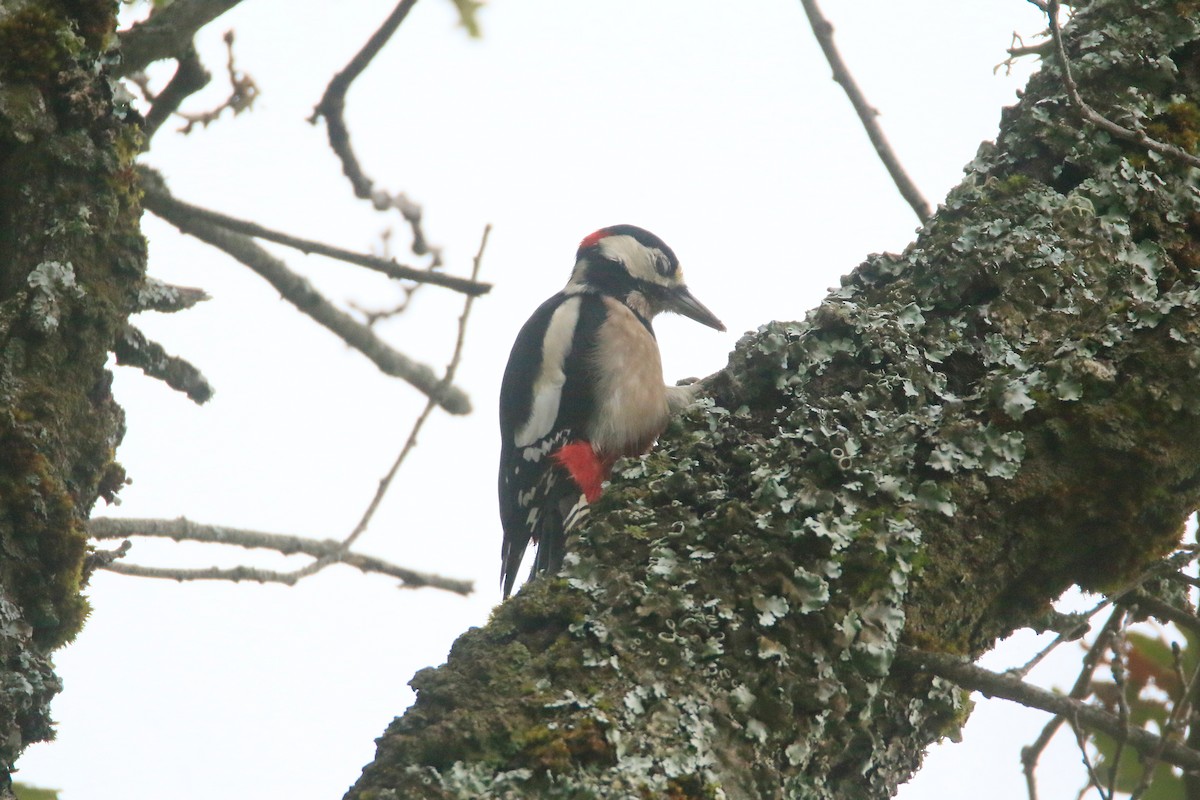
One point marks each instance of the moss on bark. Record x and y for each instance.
(71, 257)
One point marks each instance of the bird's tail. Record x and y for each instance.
(552, 544)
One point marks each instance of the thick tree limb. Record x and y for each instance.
(71, 261)
(166, 33)
(184, 530)
(867, 114)
(955, 436)
(300, 293)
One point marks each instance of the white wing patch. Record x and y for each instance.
(547, 389)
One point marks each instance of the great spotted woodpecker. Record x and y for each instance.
(584, 387)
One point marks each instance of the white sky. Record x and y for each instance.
(716, 126)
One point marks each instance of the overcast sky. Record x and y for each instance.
(713, 124)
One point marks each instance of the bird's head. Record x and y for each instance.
(635, 266)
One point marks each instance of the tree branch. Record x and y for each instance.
(1081, 689)
(300, 293)
(190, 77)
(332, 107)
(154, 295)
(867, 114)
(411, 441)
(166, 33)
(182, 529)
(133, 349)
(1090, 114)
(386, 266)
(991, 684)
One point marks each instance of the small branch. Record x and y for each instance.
(100, 559)
(154, 295)
(1163, 611)
(185, 530)
(133, 349)
(411, 441)
(1088, 113)
(190, 77)
(1181, 711)
(1119, 674)
(1081, 742)
(166, 33)
(823, 30)
(990, 684)
(242, 94)
(1081, 689)
(332, 108)
(300, 293)
(1066, 636)
(386, 266)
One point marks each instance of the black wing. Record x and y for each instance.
(538, 499)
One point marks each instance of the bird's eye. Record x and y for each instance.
(662, 265)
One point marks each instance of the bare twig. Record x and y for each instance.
(166, 33)
(867, 114)
(1164, 611)
(300, 293)
(386, 266)
(1081, 689)
(332, 109)
(324, 552)
(1066, 636)
(1081, 741)
(1181, 711)
(1117, 669)
(190, 77)
(1167, 567)
(185, 530)
(411, 441)
(242, 93)
(133, 349)
(991, 684)
(1088, 113)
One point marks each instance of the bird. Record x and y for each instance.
(583, 387)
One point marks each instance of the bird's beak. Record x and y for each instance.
(681, 301)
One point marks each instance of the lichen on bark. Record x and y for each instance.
(952, 438)
(71, 258)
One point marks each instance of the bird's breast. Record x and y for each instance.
(631, 401)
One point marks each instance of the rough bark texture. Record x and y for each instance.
(71, 256)
(954, 437)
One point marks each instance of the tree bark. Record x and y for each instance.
(955, 436)
(71, 259)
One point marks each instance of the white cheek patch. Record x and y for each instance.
(547, 389)
(637, 258)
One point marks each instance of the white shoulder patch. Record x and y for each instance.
(547, 388)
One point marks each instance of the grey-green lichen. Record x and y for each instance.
(953, 437)
(71, 258)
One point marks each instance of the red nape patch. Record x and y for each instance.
(587, 469)
(592, 239)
